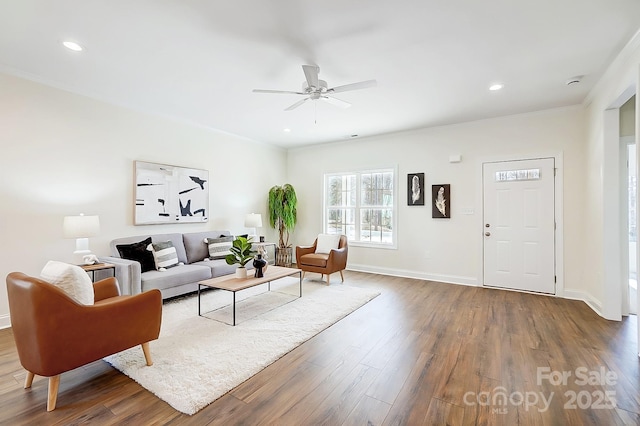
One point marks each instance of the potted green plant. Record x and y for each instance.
(283, 216)
(241, 254)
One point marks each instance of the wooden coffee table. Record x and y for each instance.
(233, 284)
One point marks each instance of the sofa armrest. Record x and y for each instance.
(337, 259)
(128, 274)
(302, 250)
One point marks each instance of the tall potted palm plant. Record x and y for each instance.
(283, 216)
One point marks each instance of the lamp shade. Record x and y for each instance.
(253, 220)
(81, 226)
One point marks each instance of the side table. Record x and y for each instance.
(271, 253)
(98, 267)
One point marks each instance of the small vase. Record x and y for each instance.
(259, 263)
(241, 272)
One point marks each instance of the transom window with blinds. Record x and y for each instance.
(361, 205)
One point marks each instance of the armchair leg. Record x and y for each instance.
(328, 278)
(147, 353)
(341, 276)
(54, 382)
(29, 380)
(303, 272)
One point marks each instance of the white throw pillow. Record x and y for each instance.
(327, 242)
(72, 279)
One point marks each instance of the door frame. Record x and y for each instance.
(558, 212)
(625, 141)
(613, 241)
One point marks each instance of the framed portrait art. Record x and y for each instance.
(415, 189)
(441, 201)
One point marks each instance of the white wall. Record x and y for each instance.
(617, 85)
(448, 250)
(628, 118)
(64, 154)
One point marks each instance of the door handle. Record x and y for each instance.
(487, 234)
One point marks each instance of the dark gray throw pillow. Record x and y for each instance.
(138, 252)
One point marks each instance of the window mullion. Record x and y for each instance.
(356, 212)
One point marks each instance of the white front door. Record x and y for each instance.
(519, 225)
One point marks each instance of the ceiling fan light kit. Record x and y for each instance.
(314, 88)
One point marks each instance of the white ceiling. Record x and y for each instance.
(198, 60)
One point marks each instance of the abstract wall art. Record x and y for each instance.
(415, 189)
(441, 201)
(170, 194)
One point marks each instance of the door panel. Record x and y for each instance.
(518, 211)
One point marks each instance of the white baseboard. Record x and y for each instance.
(5, 321)
(587, 298)
(404, 273)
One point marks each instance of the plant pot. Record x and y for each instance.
(284, 256)
(241, 272)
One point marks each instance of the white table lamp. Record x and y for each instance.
(81, 228)
(253, 221)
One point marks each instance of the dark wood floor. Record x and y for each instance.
(422, 353)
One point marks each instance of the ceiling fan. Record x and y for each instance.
(315, 89)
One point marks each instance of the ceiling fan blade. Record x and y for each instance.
(286, 92)
(311, 74)
(353, 86)
(335, 101)
(297, 104)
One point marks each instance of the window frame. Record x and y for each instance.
(359, 207)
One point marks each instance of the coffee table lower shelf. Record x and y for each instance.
(233, 284)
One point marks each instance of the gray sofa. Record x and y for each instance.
(175, 281)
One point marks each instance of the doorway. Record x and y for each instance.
(519, 225)
(632, 229)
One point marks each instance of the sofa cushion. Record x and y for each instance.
(138, 251)
(219, 267)
(71, 279)
(173, 277)
(164, 255)
(327, 242)
(196, 249)
(314, 259)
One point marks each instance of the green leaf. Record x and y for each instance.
(241, 252)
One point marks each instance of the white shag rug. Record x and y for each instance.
(196, 359)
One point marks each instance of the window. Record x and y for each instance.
(361, 205)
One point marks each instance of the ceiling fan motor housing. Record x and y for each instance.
(315, 92)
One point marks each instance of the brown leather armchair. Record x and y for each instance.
(325, 264)
(54, 333)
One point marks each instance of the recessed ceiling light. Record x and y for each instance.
(287, 130)
(496, 86)
(574, 80)
(72, 45)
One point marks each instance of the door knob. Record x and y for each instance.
(487, 234)
(487, 225)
